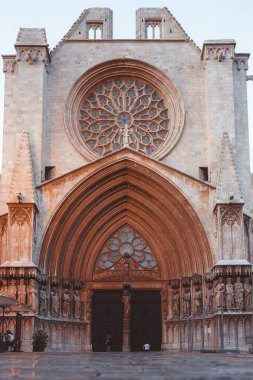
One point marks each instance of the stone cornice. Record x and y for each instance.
(218, 50)
(241, 61)
(9, 63)
(33, 54)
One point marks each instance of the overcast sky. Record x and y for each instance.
(201, 19)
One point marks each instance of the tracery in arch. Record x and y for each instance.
(126, 252)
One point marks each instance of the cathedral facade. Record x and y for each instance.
(126, 195)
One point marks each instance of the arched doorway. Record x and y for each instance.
(125, 189)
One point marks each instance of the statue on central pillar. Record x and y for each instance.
(126, 301)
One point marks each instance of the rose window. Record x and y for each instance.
(124, 112)
(126, 243)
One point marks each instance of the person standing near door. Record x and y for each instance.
(108, 342)
(146, 347)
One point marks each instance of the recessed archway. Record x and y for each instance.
(125, 191)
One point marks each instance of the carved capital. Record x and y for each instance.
(175, 283)
(32, 55)
(241, 61)
(219, 50)
(9, 63)
(218, 53)
(186, 282)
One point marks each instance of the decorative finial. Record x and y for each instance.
(20, 197)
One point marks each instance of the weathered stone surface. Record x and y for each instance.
(127, 133)
(134, 366)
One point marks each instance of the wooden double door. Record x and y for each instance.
(145, 320)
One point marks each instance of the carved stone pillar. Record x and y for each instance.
(126, 299)
(88, 316)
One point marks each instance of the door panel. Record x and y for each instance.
(107, 318)
(145, 320)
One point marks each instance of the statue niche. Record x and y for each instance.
(231, 233)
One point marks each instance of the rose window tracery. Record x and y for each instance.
(126, 244)
(124, 112)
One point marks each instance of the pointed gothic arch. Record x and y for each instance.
(124, 189)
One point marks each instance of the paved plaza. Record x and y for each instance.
(125, 366)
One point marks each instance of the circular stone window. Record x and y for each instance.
(124, 103)
(123, 112)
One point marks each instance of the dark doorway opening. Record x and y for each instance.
(107, 319)
(145, 320)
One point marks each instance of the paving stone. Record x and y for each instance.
(127, 366)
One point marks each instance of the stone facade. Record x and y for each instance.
(149, 135)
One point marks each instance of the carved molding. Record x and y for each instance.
(20, 215)
(175, 283)
(241, 63)
(231, 270)
(9, 64)
(218, 53)
(19, 272)
(3, 225)
(32, 55)
(134, 275)
(140, 191)
(230, 216)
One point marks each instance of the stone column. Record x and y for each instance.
(87, 315)
(126, 299)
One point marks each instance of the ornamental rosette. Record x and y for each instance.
(124, 103)
(124, 112)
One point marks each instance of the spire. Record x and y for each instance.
(22, 188)
(228, 185)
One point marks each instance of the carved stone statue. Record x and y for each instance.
(229, 294)
(247, 293)
(198, 301)
(209, 298)
(33, 296)
(187, 302)
(77, 304)
(54, 303)
(66, 304)
(239, 293)
(3, 287)
(22, 291)
(88, 305)
(43, 300)
(12, 289)
(176, 304)
(165, 308)
(219, 293)
(126, 299)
